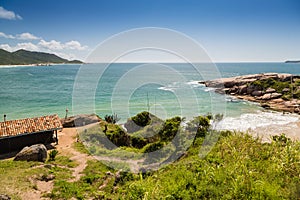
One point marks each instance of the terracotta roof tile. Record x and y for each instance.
(29, 125)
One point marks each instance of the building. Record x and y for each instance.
(17, 134)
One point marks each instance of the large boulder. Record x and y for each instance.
(270, 90)
(37, 152)
(243, 89)
(80, 120)
(257, 93)
(4, 197)
(269, 96)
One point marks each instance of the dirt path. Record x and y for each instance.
(65, 140)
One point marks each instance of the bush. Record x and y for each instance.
(119, 137)
(112, 119)
(142, 119)
(52, 154)
(152, 147)
(201, 124)
(170, 129)
(138, 142)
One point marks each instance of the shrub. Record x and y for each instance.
(153, 147)
(119, 137)
(52, 154)
(112, 119)
(138, 142)
(142, 119)
(170, 129)
(201, 124)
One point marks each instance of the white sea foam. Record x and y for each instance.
(251, 121)
(167, 89)
(13, 66)
(209, 89)
(194, 83)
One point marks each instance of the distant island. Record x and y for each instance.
(292, 61)
(23, 57)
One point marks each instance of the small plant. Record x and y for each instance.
(52, 154)
(281, 139)
(112, 119)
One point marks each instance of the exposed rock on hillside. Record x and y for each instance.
(37, 152)
(80, 120)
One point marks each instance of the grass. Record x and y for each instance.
(238, 167)
(15, 175)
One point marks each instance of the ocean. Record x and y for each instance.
(128, 88)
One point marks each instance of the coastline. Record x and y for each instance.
(39, 65)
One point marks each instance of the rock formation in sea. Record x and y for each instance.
(272, 90)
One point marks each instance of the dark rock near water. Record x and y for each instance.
(257, 93)
(37, 152)
(80, 120)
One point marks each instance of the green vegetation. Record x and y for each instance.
(288, 89)
(238, 166)
(52, 154)
(111, 118)
(23, 57)
(16, 177)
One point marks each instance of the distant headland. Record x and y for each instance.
(292, 61)
(23, 57)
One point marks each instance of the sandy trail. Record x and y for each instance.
(65, 140)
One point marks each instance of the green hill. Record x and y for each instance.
(23, 57)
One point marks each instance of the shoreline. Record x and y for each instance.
(39, 65)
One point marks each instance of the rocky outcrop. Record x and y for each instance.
(4, 197)
(243, 87)
(80, 120)
(243, 80)
(37, 152)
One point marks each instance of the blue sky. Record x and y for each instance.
(229, 30)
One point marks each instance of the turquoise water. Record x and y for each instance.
(30, 91)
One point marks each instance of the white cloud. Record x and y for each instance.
(75, 45)
(52, 45)
(27, 36)
(67, 56)
(55, 45)
(6, 36)
(26, 45)
(6, 47)
(6, 14)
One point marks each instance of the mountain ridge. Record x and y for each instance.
(24, 57)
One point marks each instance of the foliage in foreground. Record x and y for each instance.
(238, 167)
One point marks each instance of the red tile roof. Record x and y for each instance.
(29, 125)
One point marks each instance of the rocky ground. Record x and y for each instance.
(242, 87)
